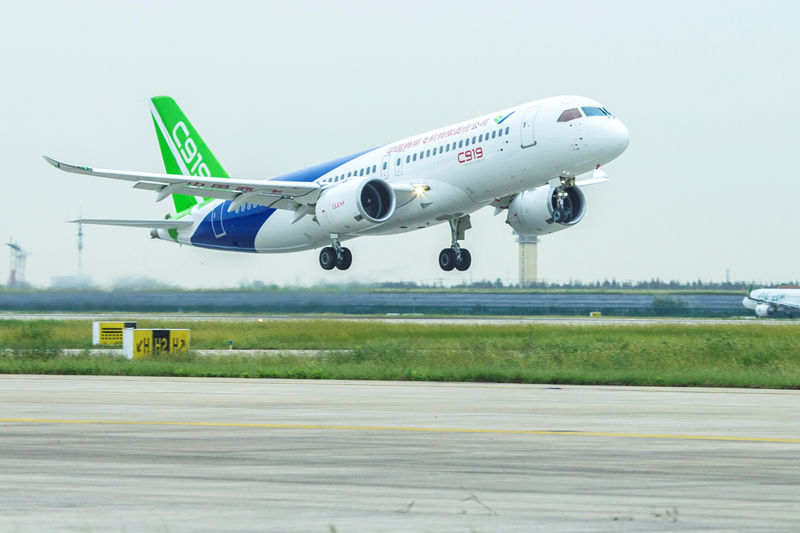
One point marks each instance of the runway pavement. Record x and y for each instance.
(168, 454)
(400, 319)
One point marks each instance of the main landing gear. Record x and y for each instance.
(335, 256)
(456, 256)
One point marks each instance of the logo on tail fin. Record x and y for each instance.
(182, 148)
(188, 150)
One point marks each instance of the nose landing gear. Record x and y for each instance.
(335, 256)
(456, 257)
(563, 208)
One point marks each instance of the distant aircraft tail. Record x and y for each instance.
(182, 148)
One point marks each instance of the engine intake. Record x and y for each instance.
(764, 310)
(545, 210)
(355, 205)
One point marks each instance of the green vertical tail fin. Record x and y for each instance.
(182, 148)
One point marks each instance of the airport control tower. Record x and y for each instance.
(527, 259)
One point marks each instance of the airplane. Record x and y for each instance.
(523, 159)
(768, 302)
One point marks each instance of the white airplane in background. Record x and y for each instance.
(523, 159)
(768, 302)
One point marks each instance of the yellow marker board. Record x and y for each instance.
(109, 333)
(144, 342)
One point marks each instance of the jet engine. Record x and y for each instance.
(546, 210)
(355, 205)
(764, 310)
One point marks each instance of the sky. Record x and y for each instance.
(707, 90)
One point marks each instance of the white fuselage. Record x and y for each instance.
(767, 301)
(464, 167)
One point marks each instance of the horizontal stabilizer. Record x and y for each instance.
(150, 224)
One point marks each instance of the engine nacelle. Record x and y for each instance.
(355, 205)
(546, 210)
(764, 310)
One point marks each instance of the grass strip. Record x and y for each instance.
(736, 355)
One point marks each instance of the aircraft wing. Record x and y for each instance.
(151, 224)
(289, 195)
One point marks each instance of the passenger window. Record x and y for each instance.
(384, 165)
(441, 149)
(473, 140)
(493, 134)
(398, 162)
(569, 114)
(361, 173)
(480, 138)
(428, 153)
(375, 168)
(415, 157)
(466, 142)
(460, 143)
(348, 174)
(447, 148)
(408, 158)
(500, 132)
(507, 129)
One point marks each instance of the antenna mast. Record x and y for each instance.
(16, 275)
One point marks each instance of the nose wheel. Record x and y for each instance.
(335, 256)
(456, 257)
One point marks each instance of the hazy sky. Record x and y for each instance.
(708, 91)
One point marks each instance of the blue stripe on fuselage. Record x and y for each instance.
(317, 171)
(222, 230)
(237, 231)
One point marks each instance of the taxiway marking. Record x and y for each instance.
(563, 433)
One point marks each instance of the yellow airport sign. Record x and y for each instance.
(140, 343)
(109, 333)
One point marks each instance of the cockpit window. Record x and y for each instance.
(570, 114)
(595, 112)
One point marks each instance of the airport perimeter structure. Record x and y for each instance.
(347, 301)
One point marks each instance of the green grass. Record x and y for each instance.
(734, 355)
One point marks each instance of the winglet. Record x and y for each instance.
(66, 167)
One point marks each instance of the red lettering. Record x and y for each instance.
(469, 155)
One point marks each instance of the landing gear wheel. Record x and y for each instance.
(558, 215)
(345, 259)
(463, 259)
(447, 259)
(327, 258)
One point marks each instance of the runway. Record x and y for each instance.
(402, 319)
(168, 454)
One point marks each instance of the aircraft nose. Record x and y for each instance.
(620, 138)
